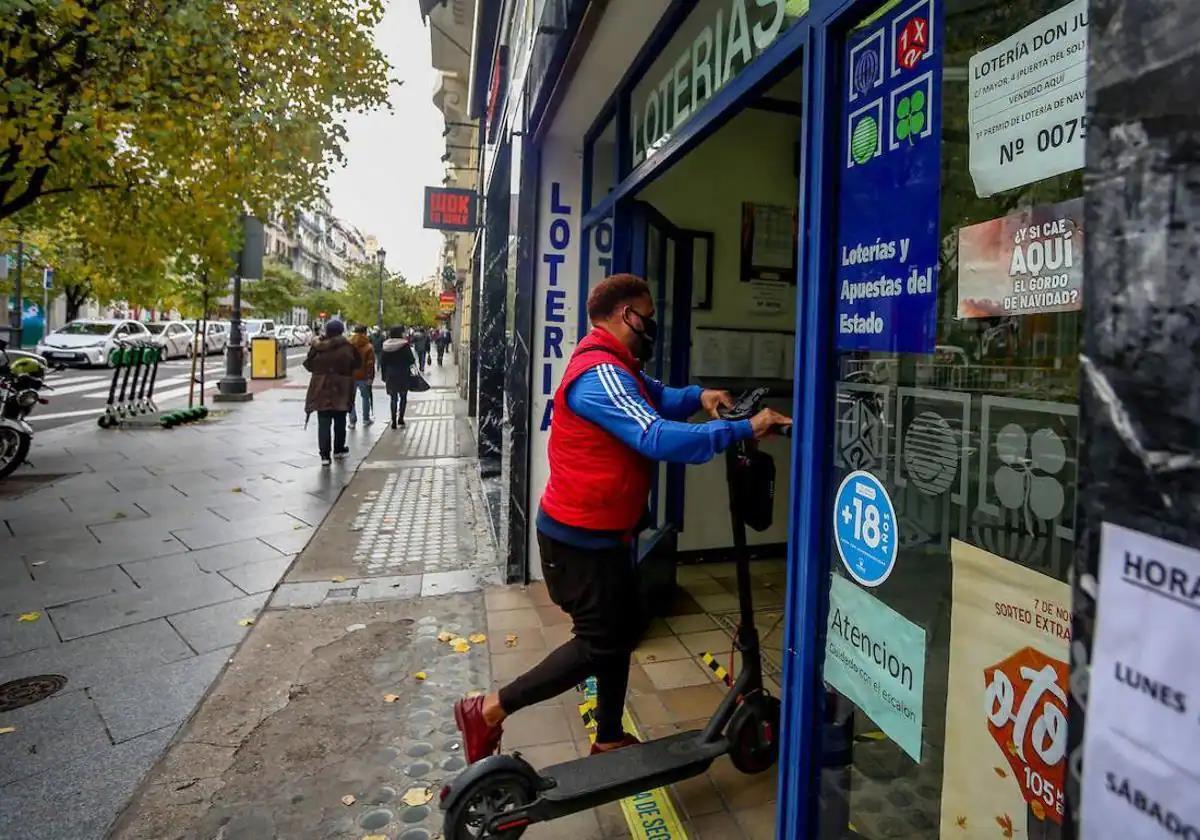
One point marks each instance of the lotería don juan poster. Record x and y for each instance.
(1006, 702)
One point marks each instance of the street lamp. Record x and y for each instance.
(382, 254)
(232, 386)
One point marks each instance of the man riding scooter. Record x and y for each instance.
(611, 423)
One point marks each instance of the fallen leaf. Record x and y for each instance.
(118, 515)
(999, 771)
(30, 616)
(186, 784)
(445, 636)
(420, 675)
(477, 638)
(416, 796)
(460, 645)
(349, 799)
(236, 490)
(39, 563)
(510, 640)
(390, 698)
(245, 622)
(375, 837)
(338, 578)
(1006, 825)
(4, 730)
(650, 657)
(354, 627)
(962, 822)
(1039, 810)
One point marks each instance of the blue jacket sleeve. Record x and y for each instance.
(673, 403)
(609, 397)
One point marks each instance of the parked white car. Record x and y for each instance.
(89, 341)
(175, 338)
(253, 327)
(286, 335)
(303, 335)
(216, 337)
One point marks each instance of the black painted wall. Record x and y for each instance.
(517, 384)
(492, 297)
(1140, 455)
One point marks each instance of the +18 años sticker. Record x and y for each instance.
(864, 524)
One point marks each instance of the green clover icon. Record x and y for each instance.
(910, 116)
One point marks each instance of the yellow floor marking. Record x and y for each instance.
(650, 815)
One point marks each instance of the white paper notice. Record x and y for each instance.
(1027, 99)
(768, 297)
(768, 356)
(1141, 752)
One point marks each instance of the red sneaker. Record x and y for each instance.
(627, 740)
(479, 739)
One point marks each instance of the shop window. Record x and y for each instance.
(602, 174)
(959, 263)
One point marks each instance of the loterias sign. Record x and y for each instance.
(451, 209)
(718, 39)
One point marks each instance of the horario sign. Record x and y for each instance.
(450, 209)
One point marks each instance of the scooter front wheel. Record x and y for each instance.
(754, 734)
(489, 797)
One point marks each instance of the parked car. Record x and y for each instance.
(255, 327)
(216, 337)
(175, 338)
(302, 334)
(286, 335)
(89, 341)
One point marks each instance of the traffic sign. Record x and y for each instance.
(864, 525)
(47, 278)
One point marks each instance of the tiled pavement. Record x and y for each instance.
(670, 691)
(144, 618)
(140, 552)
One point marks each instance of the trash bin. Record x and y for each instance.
(267, 358)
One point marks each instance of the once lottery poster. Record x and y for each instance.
(1006, 705)
(1027, 262)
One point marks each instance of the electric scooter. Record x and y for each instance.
(499, 796)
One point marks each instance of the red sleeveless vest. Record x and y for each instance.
(596, 481)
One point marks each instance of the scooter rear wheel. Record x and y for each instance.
(489, 797)
(754, 734)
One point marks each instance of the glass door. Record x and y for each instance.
(662, 255)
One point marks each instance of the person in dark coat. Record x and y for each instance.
(420, 344)
(332, 362)
(396, 363)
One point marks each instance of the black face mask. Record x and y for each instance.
(646, 336)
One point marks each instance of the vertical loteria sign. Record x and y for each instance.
(556, 302)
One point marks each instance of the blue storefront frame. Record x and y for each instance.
(813, 43)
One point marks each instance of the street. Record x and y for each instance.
(81, 392)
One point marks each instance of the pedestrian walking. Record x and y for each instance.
(364, 377)
(443, 343)
(396, 364)
(420, 343)
(332, 361)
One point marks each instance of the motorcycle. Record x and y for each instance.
(22, 377)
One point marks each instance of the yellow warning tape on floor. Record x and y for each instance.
(716, 667)
(650, 815)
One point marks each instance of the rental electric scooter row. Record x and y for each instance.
(499, 796)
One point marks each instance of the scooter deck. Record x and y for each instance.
(619, 773)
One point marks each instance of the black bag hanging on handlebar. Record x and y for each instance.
(754, 489)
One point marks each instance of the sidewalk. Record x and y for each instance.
(342, 690)
(139, 554)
